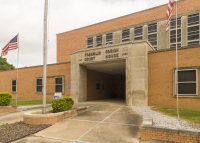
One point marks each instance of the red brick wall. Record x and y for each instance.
(74, 40)
(147, 135)
(8, 109)
(27, 80)
(160, 77)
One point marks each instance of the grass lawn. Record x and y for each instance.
(184, 114)
(27, 102)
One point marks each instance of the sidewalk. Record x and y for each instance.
(101, 123)
(16, 116)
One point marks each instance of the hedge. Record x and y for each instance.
(62, 104)
(5, 98)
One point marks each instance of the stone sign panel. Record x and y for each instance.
(103, 54)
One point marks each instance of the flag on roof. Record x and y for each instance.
(12, 45)
(169, 13)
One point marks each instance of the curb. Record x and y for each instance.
(31, 107)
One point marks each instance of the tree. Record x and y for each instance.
(4, 65)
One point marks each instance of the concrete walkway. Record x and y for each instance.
(103, 123)
(16, 116)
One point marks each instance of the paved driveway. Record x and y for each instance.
(102, 123)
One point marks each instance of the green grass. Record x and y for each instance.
(184, 114)
(28, 102)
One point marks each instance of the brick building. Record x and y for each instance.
(130, 57)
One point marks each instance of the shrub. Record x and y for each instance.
(69, 101)
(5, 98)
(62, 104)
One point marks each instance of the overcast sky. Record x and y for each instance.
(26, 18)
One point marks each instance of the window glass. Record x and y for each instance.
(184, 76)
(125, 35)
(39, 85)
(187, 88)
(90, 42)
(138, 33)
(14, 82)
(39, 89)
(99, 40)
(193, 19)
(173, 33)
(152, 28)
(152, 34)
(109, 38)
(58, 88)
(14, 85)
(187, 82)
(39, 81)
(58, 80)
(58, 84)
(193, 29)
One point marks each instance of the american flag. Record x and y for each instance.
(169, 13)
(12, 44)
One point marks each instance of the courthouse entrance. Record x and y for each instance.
(112, 71)
(106, 80)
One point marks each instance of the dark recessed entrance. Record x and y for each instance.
(106, 81)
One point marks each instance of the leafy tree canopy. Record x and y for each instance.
(4, 65)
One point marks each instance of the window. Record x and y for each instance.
(193, 29)
(90, 42)
(152, 34)
(38, 84)
(99, 40)
(173, 33)
(59, 84)
(109, 38)
(125, 35)
(138, 33)
(187, 82)
(14, 85)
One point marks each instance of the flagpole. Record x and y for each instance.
(177, 62)
(17, 65)
(45, 58)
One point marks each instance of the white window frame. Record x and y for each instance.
(175, 34)
(152, 34)
(60, 84)
(175, 81)
(12, 86)
(38, 85)
(192, 26)
(139, 35)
